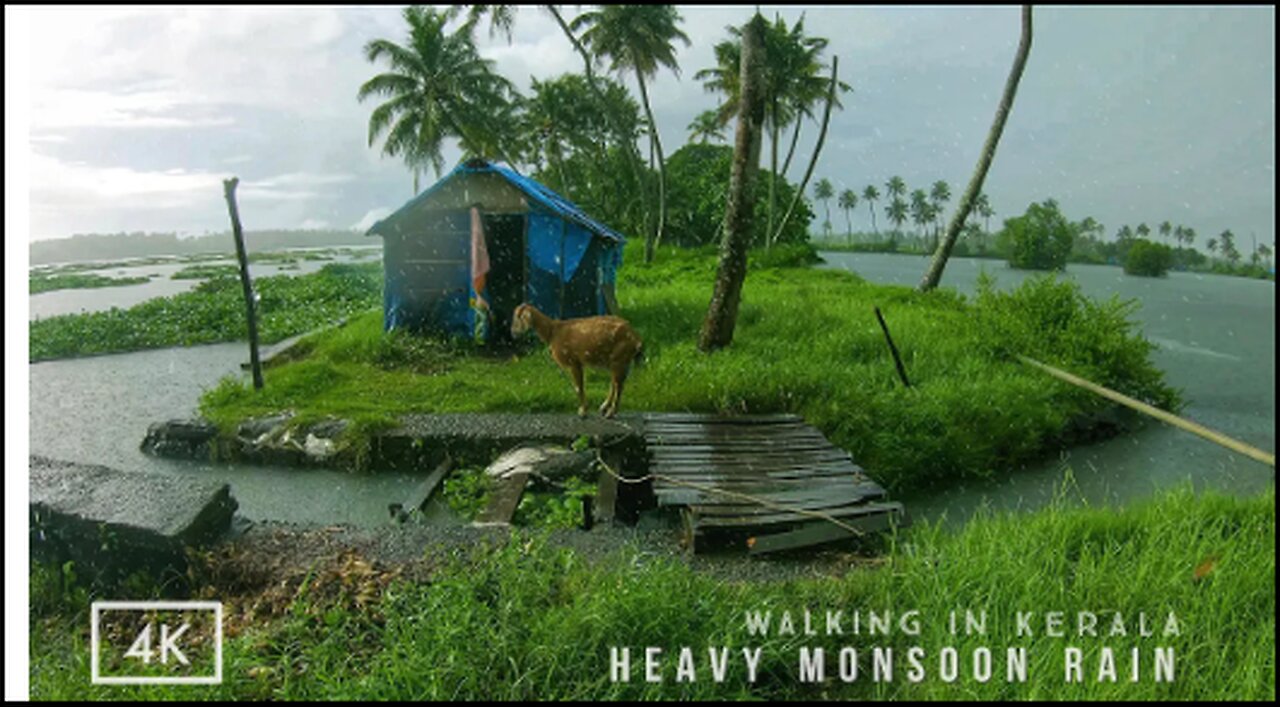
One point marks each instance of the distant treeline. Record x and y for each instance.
(96, 246)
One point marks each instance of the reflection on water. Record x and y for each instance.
(1216, 338)
(96, 410)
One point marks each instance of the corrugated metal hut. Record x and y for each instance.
(462, 255)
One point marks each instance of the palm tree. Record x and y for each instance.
(1165, 229)
(896, 210)
(706, 126)
(848, 202)
(1142, 230)
(982, 205)
(438, 88)
(870, 194)
(1227, 244)
(921, 214)
(638, 39)
(933, 275)
(1264, 251)
(939, 195)
(502, 18)
(1189, 235)
(895, 187)
(1212, 245)
(793, 86)
(823, 191)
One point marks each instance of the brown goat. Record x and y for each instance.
(600, 342)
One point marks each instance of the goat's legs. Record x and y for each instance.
(615, 394)
(576, 372)
(608, 404)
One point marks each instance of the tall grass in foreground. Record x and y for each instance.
(807, 342)
(530, 621)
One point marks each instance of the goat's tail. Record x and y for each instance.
(639, 359)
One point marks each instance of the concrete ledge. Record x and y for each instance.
(111, 523)
(418, 442)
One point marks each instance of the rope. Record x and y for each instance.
(731, 494)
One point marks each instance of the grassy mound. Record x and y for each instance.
(807, 342)
(529, 620)
(213, 312)
(79, 281)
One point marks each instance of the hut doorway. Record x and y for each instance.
(504, 238)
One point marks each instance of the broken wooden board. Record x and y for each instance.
(422, 493)
(504, 500)
(818, 532)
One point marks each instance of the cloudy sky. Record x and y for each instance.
(1124, 114)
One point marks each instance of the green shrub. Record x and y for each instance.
(697, 189)
(1040, 239)
(1148, 259)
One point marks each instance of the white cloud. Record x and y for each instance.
(58, 109)
(313, 224)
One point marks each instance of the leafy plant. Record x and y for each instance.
(1040, 239)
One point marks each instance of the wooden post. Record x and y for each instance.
(229, 188)
(897, 360)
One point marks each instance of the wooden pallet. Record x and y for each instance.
(777, 458)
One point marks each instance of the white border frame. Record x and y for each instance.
(98, 607)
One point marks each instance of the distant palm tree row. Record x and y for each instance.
(924, 209)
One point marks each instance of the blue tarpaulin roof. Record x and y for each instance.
(538, 195)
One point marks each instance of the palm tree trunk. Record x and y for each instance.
(849, 224)
(773, 167)
(934, 273)
(871, 208)
(813, 161)
(651, 246)
(791, 151)
(722, 313)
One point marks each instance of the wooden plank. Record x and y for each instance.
(712, 419)
(745, 449)
(858, 492)
(728, 430)
(503, 502)
(760, 460)
(817, 533)
(719, 504)
(766, 488)
(694, 452)
(422, 493)
(781, 472)
(774, 518)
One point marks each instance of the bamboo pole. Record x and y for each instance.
(897, 360)
(229, 189)
(1170, 418)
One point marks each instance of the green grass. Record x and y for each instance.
(213, 312)
(807, 342)
(48, 283)
(531, 621)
